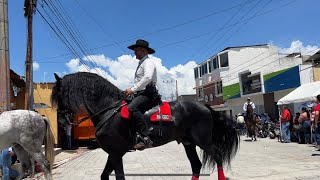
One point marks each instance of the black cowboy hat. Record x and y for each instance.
(142, 43)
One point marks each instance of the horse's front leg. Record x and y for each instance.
(107, 170)
(256, 133)
(114, 163)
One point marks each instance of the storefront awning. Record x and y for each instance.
(304, 93)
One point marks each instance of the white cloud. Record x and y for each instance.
(35, 66)
(121, 71)
(297, 46)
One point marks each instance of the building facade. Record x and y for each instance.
(226, 79)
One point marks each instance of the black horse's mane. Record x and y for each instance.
(84, 90)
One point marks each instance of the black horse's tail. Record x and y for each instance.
(225, 140)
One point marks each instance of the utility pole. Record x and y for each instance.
(177, 90)
(4, 58)
(29, 6)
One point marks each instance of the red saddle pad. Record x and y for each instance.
(162, 114)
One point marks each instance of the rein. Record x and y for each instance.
(103, 110)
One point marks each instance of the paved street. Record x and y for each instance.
(264, 159)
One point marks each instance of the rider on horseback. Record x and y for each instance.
(245, 106)
(144, 90)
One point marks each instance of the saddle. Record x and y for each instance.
(159, 113)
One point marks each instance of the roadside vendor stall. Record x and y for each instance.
(304, 93)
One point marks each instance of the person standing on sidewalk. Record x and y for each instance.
(304, 120)
(285, 124)
(68, 130)
(317, 122)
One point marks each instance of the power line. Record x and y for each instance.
(232, 28)
(193, 20)
(66, 22)
(239, 27)
(62, 38)
(241, 7)
(165, 29)
(263, 66)
(75, 36)
(109, 36)
(203, 34)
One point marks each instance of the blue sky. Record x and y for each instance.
(183, 34)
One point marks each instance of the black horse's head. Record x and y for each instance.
(84, 93)
(64, 115)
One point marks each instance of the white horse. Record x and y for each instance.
(25, 131)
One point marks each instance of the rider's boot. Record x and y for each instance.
(143, 141)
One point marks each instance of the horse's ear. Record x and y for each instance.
(57, 77)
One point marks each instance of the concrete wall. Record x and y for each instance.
(210, 97)
(316, 73)
(259, 59)
(248, 58)
(236, 105)
(280, 94)
(306, 73)
(42, 93)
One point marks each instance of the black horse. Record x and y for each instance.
(194, 124)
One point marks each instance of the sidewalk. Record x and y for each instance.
(67, 155)
(258, 160)
(62, 157)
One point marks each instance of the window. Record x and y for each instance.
(196, 72)
(210, 66)
(200, 93)
(251, 83)
(224, 61)
(215, 63)
(219, 88)
(204, 69)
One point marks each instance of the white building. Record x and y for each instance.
(226, 79)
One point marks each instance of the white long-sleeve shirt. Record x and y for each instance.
(146, 72)
(246, 104)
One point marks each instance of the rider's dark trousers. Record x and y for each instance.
(139, 105)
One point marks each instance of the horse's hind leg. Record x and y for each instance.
(26, 163)
(45, 164)
(221, 175)
(194, 160)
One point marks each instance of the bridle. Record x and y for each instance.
(114, 106)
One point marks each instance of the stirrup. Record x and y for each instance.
(142, 142)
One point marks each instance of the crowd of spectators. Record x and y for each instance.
(302, 127)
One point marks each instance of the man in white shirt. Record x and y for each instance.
(245, 105)
(144, 89)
